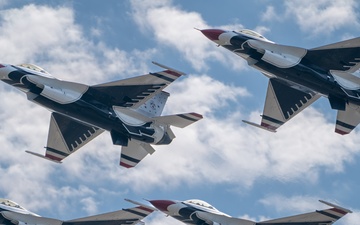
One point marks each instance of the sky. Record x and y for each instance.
(242, 171)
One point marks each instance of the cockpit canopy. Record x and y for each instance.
(253, 34)
(200, 203)
(34, 68)
(10, 203)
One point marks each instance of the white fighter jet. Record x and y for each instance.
(198, 212)
(129, 109)
(12, 213)
(299, 76)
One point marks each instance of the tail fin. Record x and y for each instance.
(154, 106)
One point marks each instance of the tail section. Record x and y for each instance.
(132, 154)
(155, 105)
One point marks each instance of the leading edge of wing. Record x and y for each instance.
(133, 92)
(126, 216)
(319, 217)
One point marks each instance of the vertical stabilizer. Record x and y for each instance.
(154, 106)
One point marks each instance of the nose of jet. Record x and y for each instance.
(212, 34)
(162, 204)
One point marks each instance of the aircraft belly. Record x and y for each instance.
(306, 77)
(107, 120)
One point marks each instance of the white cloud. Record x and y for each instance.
(270, 14)
(352, 218)
(293, 204)
(174, 27)
(59, 46)
(323, 16)
(89, 205)
(218, 149)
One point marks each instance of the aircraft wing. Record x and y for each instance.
(212, 218)
(283, 102)
(343, 56)
(132, 154)
(348, 119)
(67, 135)
(128, 216)
(133, 92)
(319, 217)
(29, 218)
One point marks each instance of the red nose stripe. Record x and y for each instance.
(212, 34)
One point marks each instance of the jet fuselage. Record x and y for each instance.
(185, 211)
(295, 66)
(7, 205)
(198, 212)
(84, 107)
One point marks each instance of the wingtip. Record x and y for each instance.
(199, 116)
(336, 206)
(259, 126)
(42, 156)
(168, 68)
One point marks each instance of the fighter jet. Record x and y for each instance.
(299, 76)
(12, 213)
(199, 212)
(129, 109)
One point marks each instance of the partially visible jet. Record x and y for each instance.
(299, 76)
(198, 212)
(12, 213)
(129, 109)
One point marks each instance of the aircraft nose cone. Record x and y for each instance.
(162, 204)
(212, 34)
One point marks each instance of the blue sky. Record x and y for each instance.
(242, 171)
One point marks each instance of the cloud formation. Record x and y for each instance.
(217, 150)
(174, 27)
(323, 16)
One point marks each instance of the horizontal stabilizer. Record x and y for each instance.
(259, 126)
(179, 120)
(42, 156)
(30, 219)
(132, 154)
(347, 119)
